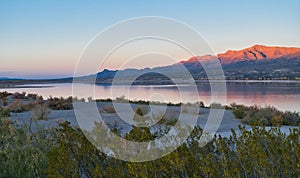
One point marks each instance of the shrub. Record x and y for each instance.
(174, 104)
(140, 117)
(4, 101)
(104, 100)
(201, 104)
(268, 116)
(18, 107)
(171, 121)
(142, 110)
(4, 112)
(23, 154)
(33, 96)
(291, 118)
(4, 94)
(18, 95)
(66, 152)
(216, 106)
(40, 112)
(60, 103)
(251, 153)
(108, 109)
(121, 99)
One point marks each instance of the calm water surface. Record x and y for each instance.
(282, 95)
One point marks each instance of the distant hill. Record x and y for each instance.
(7, 78)
(259, 53)
(256, 52)
(257, 62)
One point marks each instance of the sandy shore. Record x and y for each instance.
(113, 119)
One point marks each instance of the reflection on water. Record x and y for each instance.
(284, 96)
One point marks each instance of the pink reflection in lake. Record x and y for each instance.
(284, 96)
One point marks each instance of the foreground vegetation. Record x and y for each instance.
(268, 116)
(65, 152)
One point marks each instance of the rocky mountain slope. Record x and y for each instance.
(257, 62)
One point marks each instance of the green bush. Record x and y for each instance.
(23, 154)
(239, 111)
(291, 118)
(66, 152)
(254, 153)
(268, 116)
(4, 112)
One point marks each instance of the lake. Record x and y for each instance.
(284, 95)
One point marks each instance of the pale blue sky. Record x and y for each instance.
(45, 38)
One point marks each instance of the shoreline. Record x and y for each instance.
(23, 102)
(10, 84)
(55, 117)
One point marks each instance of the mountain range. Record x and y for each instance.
(257, 62)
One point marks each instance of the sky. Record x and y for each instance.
(45, 39)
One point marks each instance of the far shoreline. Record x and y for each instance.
(11, 84)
